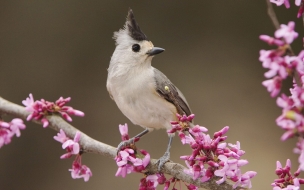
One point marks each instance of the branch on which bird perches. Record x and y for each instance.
(90, 145)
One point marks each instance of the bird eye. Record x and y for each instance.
(136, 48)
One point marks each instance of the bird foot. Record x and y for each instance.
(124, 144)
(162, 160)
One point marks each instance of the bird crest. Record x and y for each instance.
(130, 29)
(133, 28)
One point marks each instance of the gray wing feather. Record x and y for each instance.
(166, 89)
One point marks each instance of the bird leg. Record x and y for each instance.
(125, 143)
(162, 160)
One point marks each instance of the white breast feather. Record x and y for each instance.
(136, 97)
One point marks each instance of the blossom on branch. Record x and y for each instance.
(279, 64)
(286, 180)
(287, 5)
(39, 109)
(211, 156)
(129, 159)
(9, 130)
(73, 148)
(287, 32)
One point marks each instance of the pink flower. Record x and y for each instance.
(301, 9)
(244, 179)
(71, 146)
(15, 126)
(5, 136)
(237, 148)
(127, 162)
(80, 171)
(9, 130)
(271, 40)
(40, 109)
(287, 32)
(29, 102)
(286, 180)
(61, 137)
(149, 182)
(281, 2)
(196, 171)
(273, 85)
(123, 129)
(285, 102)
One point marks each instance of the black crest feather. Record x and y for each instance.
(133, 28)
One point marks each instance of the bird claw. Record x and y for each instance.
(124, 144)
(162, 160)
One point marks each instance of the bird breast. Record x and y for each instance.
(136, 97)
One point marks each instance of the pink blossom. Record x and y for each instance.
(29, 102)
(281, 2)
(300, 150)
(230, 168)
(40, 109)
(271, 40)
(298, 2)
(128, 162)
(5, 136)
(15, 126)
(244, 179)
(195, 171)
(9, 130)
(286, 180)
(61, 137)
(287, 32)
(149, 182)
(285, 102)
(80, 171)
(273, 85)
(71, 146)
(301, 9)
(236, 148)
(123, 129)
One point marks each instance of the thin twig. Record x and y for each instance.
(91, 145)
(272, 15)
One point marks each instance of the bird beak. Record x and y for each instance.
(155, 51)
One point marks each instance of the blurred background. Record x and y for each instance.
(63, 48)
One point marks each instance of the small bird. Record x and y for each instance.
(142, 93)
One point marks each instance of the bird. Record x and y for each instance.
(143, 93)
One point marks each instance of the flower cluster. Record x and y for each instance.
(129, 159)
(279, 64)
(150, 182)
(287, 5)
(73, 148)
(40, 109)
(286, 180)
(9, 130)
(211, 156)
(291, 120)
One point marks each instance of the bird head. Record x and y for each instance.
(132, 45)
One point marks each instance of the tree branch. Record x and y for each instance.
(91, 145)
(272, 15)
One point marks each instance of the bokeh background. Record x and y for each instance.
(63, 48)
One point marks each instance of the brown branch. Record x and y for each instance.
(91, 145)
(272, 15)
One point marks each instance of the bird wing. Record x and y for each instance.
(166, 89)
